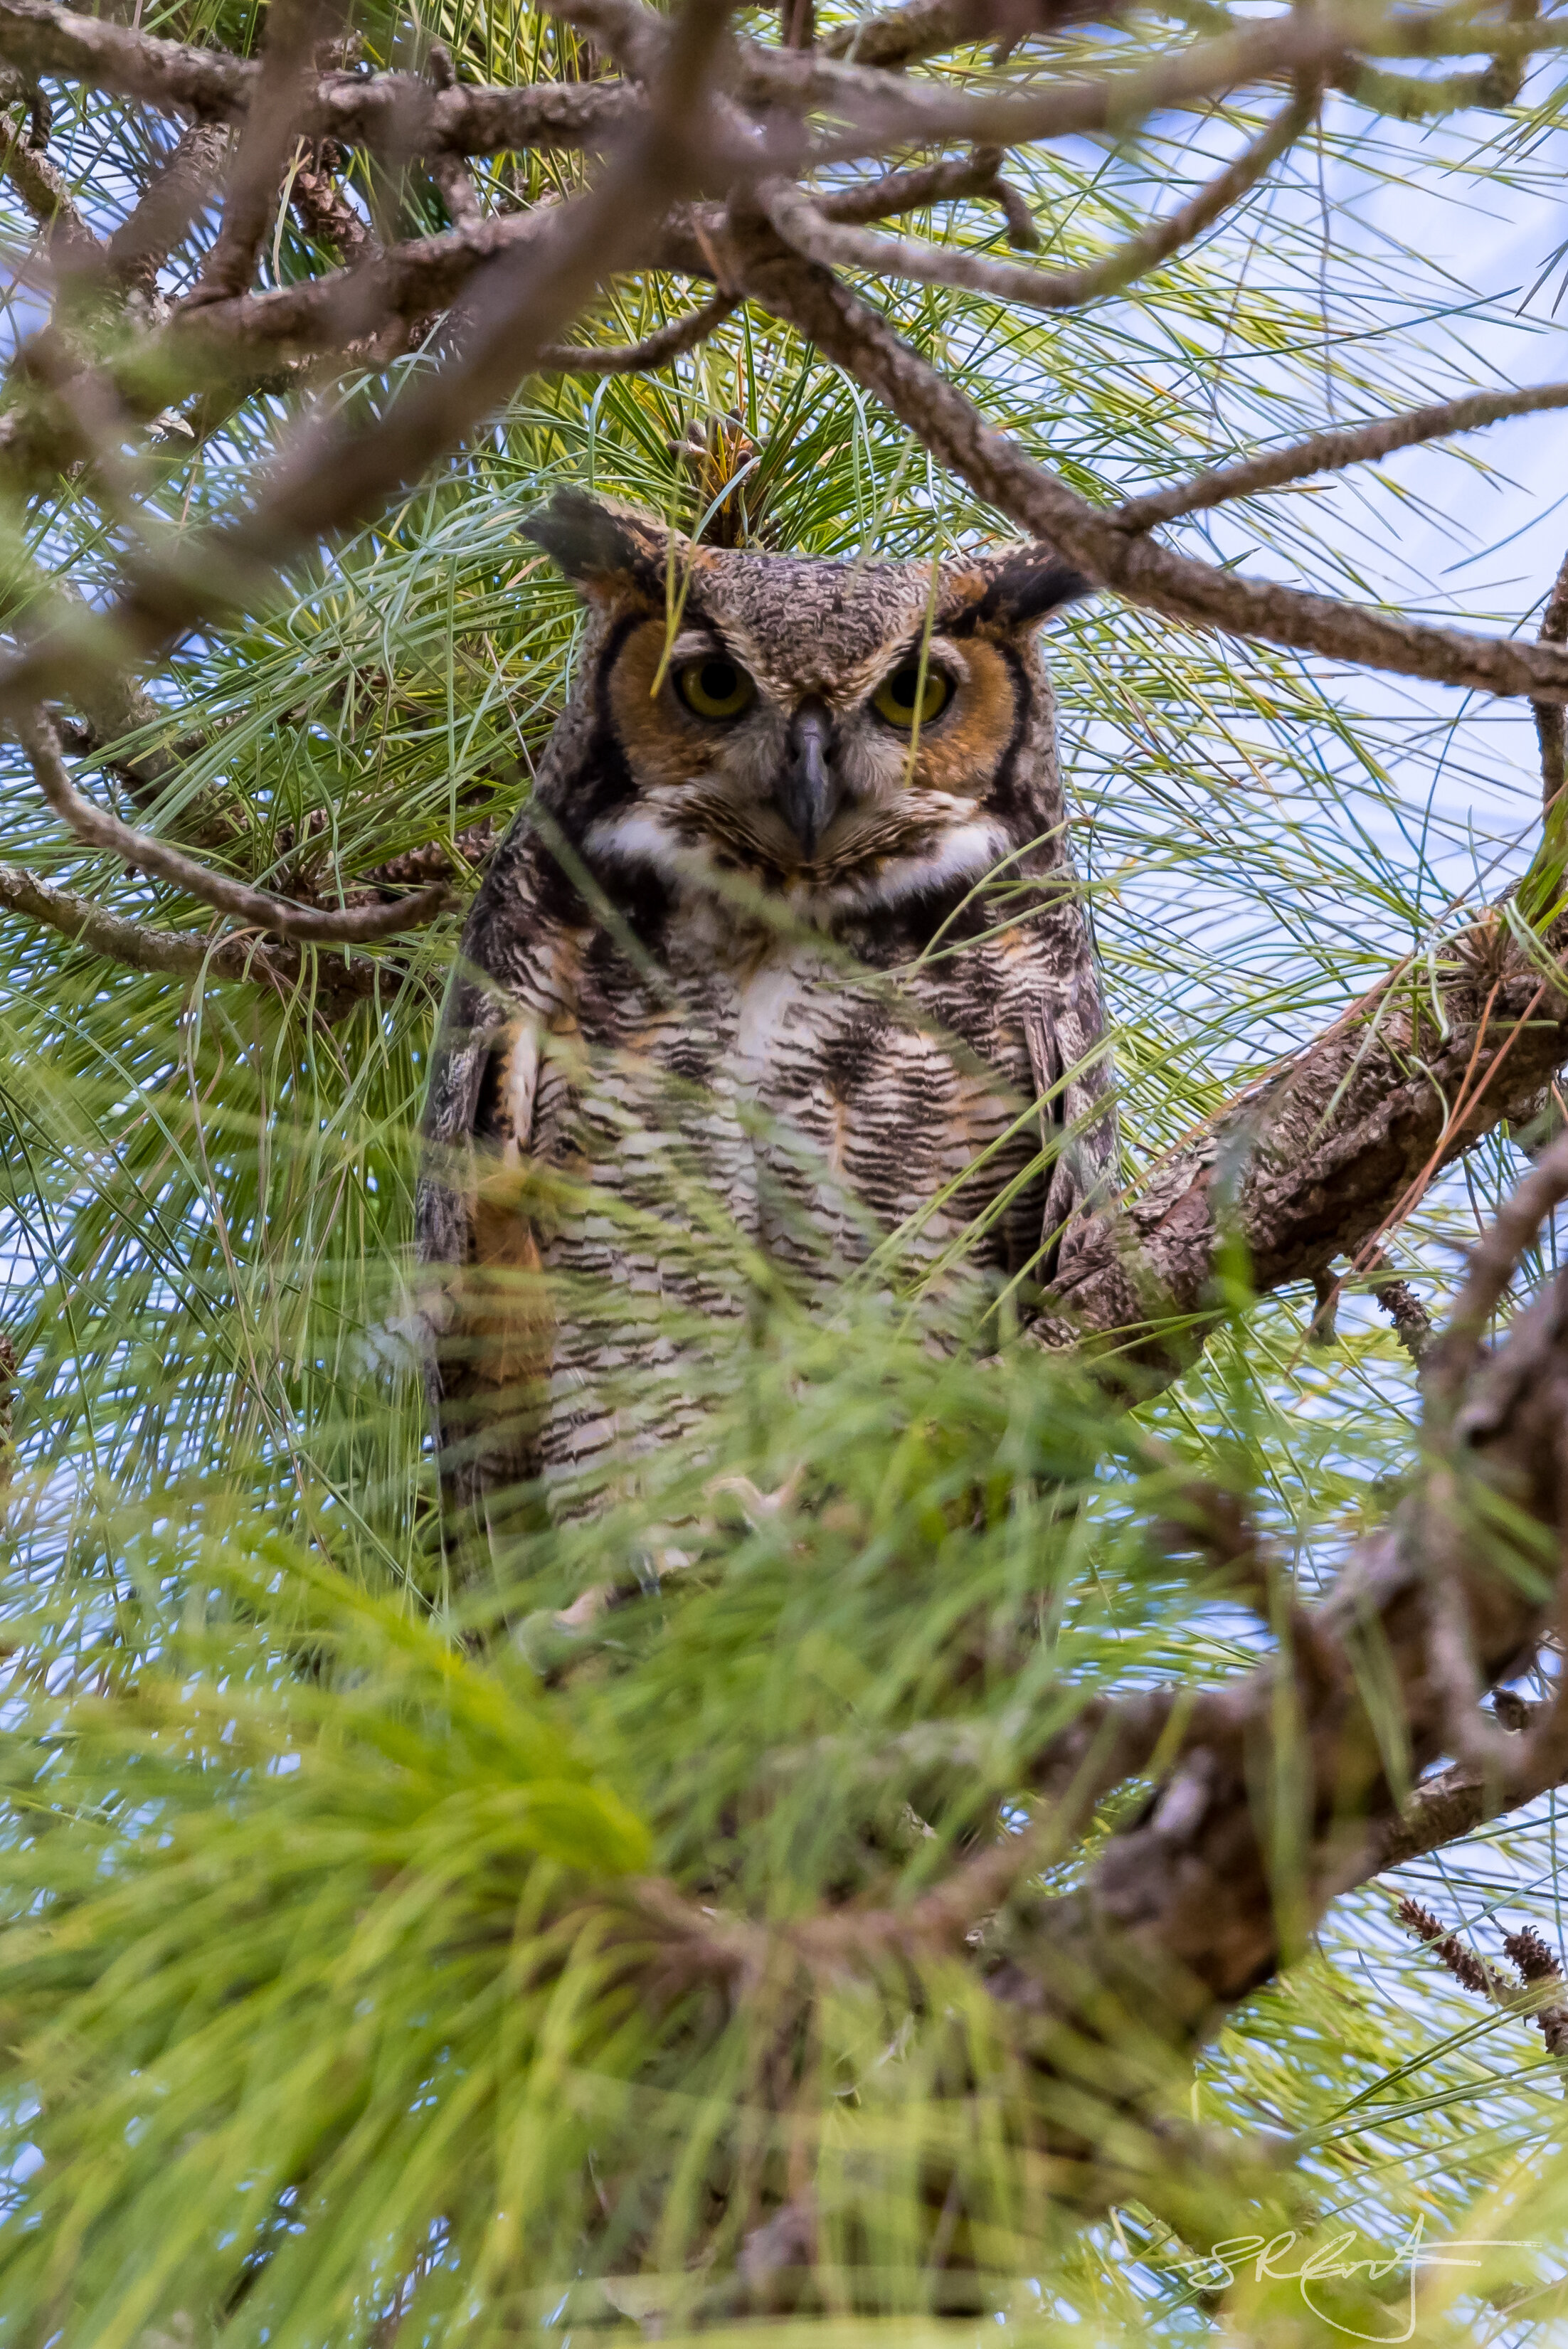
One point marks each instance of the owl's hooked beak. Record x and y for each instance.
(807, 797)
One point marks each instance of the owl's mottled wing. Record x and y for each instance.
(488, 1332)
(1064, 1031)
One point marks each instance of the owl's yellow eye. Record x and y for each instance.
(904, 697)
(714, 687)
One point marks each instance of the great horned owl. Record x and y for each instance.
(783, 971)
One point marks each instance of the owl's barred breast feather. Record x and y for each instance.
(796, 992)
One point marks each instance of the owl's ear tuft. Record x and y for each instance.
(600, 548)
(1026, 584)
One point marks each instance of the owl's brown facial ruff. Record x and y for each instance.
(838, 739)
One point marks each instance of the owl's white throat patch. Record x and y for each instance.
(868, 857)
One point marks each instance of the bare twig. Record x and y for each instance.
(276, 104)
(99, 829)
(886, 108)
(458, 192)
(452, 175)
(175, 953)
(1491, 1266)
(949, 181)
(807, 226)
(1411, 99)
(1330, 452)
(655, 350)
(150, 232)
(44, 189)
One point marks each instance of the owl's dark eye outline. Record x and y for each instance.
(894, 699)
(715, 689)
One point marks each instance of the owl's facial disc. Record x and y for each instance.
(800, 766)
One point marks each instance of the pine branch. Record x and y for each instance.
(175, 953)
(807, 226)
(1179, 1916)
(100, 829)
(1331, 452)
(341, 476)
(1180, 1913)
(948, 424)
(885, 109)
(214, 86)
(275, 102)
(1320, 1158)
(655, 350)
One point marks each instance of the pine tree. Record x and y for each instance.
(1072, 1849)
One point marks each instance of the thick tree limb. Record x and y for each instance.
(1182, 1906)
(176, 74)
(1316, 1160)
(1448, 1806)
(471, 119)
